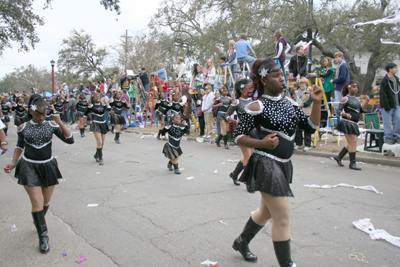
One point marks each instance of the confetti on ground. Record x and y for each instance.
(209, 263)
(223, 222)
(127, 155)
(322, 144)
(97, 172)
(222, 162)
(362, 163)
(190, 178)
(142, 137)
(321, 162)
(91, 155)
(83, 258)
(215, 171)
(64, 254)
(92, 205)
(233, 160)
(9, 151)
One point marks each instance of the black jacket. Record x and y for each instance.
(387, 96)
(303, 61)
(144, 77)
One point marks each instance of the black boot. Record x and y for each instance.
(40, 223)
(45, 208)
(176, 169)
(218, 140)
(169, 166)
(236, 172)
(158, 135)
(96, 156)
(5, 131)
(116, 139)
(82, 132)
(226, 141)
(241, 243)
(353, 164)
(340, 156)
(100, 155)
(282, 252)
(112, 129)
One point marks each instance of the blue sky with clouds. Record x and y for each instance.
(89, 15)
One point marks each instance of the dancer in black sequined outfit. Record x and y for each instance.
(269, 126)
(49, 109)
(37, 170)
(161, 108)
(19, 109)
(81, 107)
(223, 103)
(172, 148)
(98, 126)
(242, 100)
(350, 110)
(116, 117)
(6, 111)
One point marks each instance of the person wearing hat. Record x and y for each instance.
(206, 108)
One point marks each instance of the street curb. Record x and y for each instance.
(388, 162)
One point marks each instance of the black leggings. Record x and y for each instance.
(202, 123)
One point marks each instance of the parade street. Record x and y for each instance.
(142, 214)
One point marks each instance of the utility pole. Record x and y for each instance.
(126, 48)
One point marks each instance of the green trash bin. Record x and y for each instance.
(372, 121)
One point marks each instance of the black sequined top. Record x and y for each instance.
(117, 106)
(280, 115)
(162, 106)
(36, 140)
(19, 110)
(59, 106)
(99, 112)
(175, 134)
(175, 107)
(226, 102)
(82, 105)
(239, 107)
(353, 107)
(5, 108)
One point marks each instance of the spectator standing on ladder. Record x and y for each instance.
(241, 47)
(282, 48)
(145, 79)
(181, 71)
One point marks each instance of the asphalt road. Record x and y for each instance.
(149, 216)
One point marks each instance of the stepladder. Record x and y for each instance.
(223, 71)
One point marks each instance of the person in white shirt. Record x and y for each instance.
(206, 108)
(181, 71)
(209, 73)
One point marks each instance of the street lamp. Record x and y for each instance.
(52, 62)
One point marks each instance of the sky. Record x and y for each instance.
(90, 15)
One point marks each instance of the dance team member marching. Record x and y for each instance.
(274, 119)
(116, 117)
(175, 106)
(37, 170)
(161, 108)
(172, 149)
(223, 104)
(81, 107)
(98, 126)
(49, 109)
(19, 110)
(350, 110)
(242, 100)
(59, 107)
(5, 116)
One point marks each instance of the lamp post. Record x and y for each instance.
(52, 62)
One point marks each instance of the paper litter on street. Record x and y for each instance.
(92, 205)
(209, 263)
(365, 187)
(233, 160)
(366, 226)
(190, 178)
(215, 171)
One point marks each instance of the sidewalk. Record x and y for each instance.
(21, 248)
(320, 151)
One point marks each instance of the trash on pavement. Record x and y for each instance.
(92, 205)
(215, 171)
(366, 226)
(13, 228)
(209, 263)
(223, 222)
(233, 160)
(190, 178)
(366, 187)
(83, 258)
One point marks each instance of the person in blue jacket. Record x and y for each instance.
(241, 47)
(161, 73)
(341, 77)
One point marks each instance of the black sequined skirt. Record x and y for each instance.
(80, 114)
(221, 116)
(37, 174)
(100, 127)
(18, 121)
(160, 116)
(117, 119)
(172, 152)
(268, 175)
(5, 119)
(348, 127)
